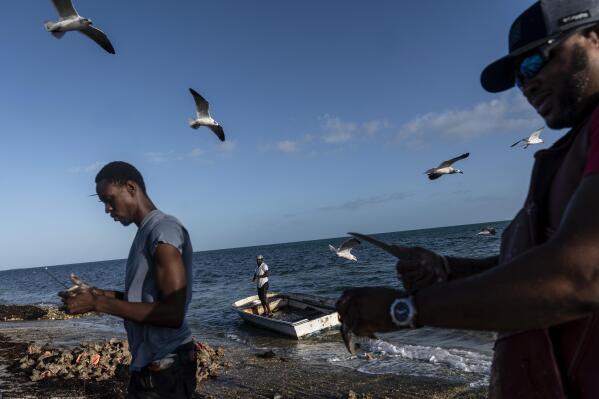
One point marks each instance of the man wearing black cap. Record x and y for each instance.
(542, 292)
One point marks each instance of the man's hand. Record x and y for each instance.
(419, 268)
(365, 310)
(80, 300)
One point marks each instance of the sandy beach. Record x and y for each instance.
(245, 372)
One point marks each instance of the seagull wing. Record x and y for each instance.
(201, 104)
(449, 162)
(536, 134)
(218, 130)
(99, 37)
(349, 244)
(517, 142)
(65, 8)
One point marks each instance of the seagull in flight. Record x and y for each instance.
(203, 117)
(534, 138)
(445, 167)
(344, 251)
(70, 20)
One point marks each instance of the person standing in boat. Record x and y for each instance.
(261, 274)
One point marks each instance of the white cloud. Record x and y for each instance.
(338, 137)
(287, 146)
(336, 131)
(196, 152)
(506, 114)
(93, 167)
(158, 157)
(224, 149)
(373, 126)
(333, 130)
(362, 202)
(228, 146)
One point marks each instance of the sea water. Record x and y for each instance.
(223, 276)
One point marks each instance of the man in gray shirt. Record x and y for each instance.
(157, 292)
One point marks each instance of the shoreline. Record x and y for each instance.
(249, 372)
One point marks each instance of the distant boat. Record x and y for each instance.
(487, 231)
(294, 315)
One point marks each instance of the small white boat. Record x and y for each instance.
(295, 315)
(487, 231)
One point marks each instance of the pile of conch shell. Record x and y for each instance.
(209, 361)
(92, 361)
(102, 361)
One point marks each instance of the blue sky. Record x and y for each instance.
(332, 109)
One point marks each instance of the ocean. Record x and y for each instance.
(221, 277)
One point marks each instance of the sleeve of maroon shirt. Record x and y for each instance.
(592, 164)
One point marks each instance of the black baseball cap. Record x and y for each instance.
(544, 21)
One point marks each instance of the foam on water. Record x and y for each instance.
(381, 357)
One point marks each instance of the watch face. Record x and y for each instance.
(401, 311)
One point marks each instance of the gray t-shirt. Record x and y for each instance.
(147, 342)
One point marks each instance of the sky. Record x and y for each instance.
(332, 110)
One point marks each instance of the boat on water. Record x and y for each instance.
(294, 315)
(487, 231)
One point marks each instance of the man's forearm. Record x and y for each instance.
(545, 286)
(464, 267)
(157, 313)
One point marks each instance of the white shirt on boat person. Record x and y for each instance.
(259, 272)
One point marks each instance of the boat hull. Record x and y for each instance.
(294, 315)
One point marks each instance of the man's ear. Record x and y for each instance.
(593, 36)
(131, 187)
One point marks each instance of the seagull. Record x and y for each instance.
(344, 251)
(70, 20)
(203, 117)
(445, 168)
(535, 138)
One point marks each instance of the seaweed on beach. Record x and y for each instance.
(21, 312)
(33, 312)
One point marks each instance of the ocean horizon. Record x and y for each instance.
(271, 244)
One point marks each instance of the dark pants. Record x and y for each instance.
(262, 291)
(175, 382)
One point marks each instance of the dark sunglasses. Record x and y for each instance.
(529, 66)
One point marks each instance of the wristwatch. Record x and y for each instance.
(403, 312)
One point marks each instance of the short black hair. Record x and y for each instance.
(119, 172)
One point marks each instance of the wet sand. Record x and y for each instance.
(250, 373)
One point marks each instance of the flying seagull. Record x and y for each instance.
(534, 138)
(70, 20)
(445, 168)
(344, 251)
(203, 117)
